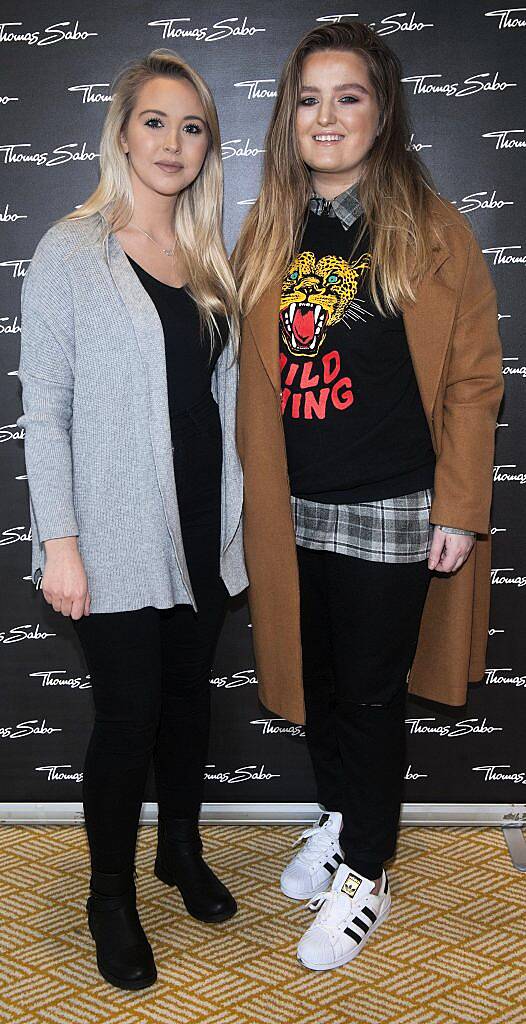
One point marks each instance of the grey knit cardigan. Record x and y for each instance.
(97, 430)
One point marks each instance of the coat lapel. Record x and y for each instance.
(263, 321)
(428, 323)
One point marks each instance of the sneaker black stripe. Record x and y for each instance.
(369, 914)
(331, 868)
(363, 924)
(353, 935)
(338, 858)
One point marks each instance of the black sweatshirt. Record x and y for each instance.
(355, 428)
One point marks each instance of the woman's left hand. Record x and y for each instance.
(448, 551)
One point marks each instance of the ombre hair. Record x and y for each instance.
(395, 187)
(198, 208)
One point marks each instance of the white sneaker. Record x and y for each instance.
(349, 915)
(312, 869)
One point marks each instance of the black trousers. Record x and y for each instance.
(150, 669)
(359, 630)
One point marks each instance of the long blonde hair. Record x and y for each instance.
(198, 209)
(395, 187)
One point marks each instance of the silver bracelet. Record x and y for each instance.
(453, 529)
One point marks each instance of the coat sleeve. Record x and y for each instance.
(46, 372)
(473, 392)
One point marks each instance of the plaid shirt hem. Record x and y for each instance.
(391, 530)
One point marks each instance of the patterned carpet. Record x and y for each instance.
(452, 952)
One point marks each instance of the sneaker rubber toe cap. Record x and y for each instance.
(293, 881)
(315, 948)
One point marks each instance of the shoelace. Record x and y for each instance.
(324, 902)
(323, 897)
(327, 898)
(312, 833)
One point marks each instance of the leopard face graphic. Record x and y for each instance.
(317, 294)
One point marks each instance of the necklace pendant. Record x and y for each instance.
(168, 252)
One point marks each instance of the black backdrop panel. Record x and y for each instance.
(464, 76)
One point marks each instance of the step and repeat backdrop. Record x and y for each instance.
(464, 76)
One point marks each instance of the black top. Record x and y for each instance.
(188, 364)
(355, 428)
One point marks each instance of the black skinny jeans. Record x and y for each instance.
(359, 630)
(150, 669)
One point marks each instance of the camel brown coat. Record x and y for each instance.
(455, 348)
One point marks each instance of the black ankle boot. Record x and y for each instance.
(124, 955)
(180, 862)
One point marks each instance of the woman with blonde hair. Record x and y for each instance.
(370, 382)
(129, 374)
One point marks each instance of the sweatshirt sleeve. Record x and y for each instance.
(46, 371)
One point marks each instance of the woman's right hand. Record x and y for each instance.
(64, 583)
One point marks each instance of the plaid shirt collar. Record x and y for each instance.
(346, 207)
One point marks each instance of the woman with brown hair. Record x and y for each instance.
(370, 383)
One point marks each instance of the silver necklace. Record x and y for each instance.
(167, 252)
